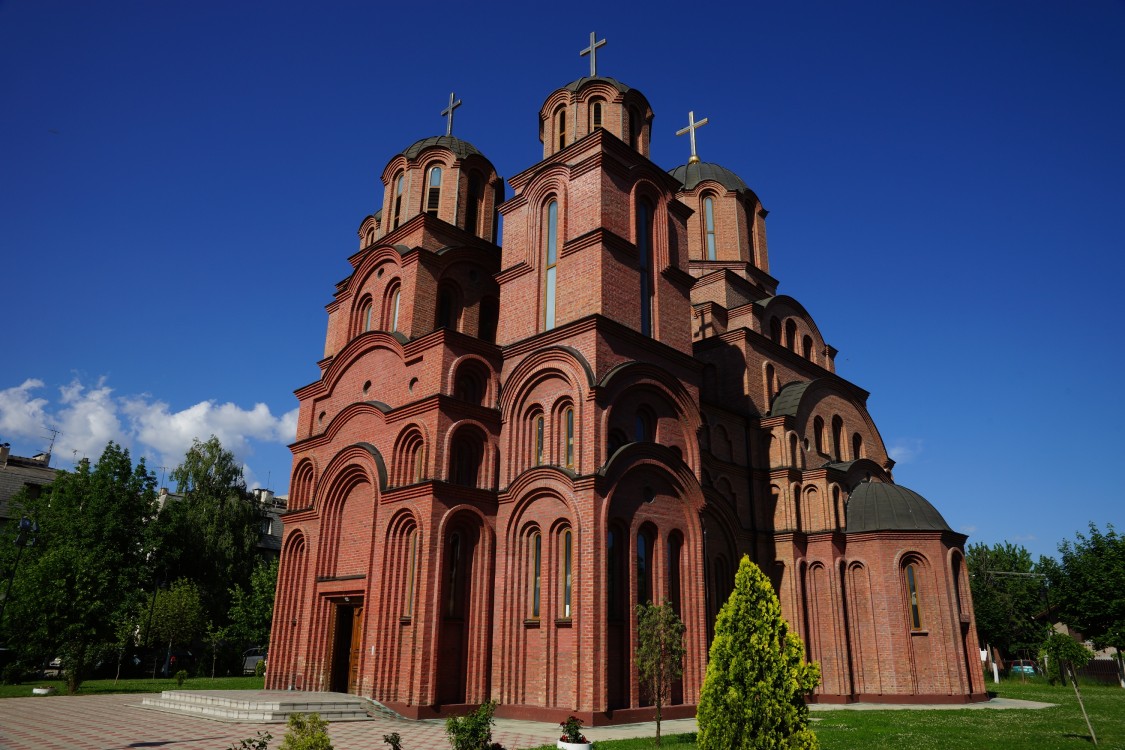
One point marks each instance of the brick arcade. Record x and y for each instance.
(513, 443)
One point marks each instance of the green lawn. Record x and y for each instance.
(1060, 727)
(96, 687)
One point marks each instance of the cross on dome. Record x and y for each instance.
(592, 51)
(690, 129)
(448, 112)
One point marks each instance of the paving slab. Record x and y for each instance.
(117, 722)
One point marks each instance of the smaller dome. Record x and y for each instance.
(459, 147)
(879, 506)
(573, 86)
(693, 173)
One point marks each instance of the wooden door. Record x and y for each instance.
(355, 650)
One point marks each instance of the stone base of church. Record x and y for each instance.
(891, 699)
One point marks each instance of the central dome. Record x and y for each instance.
(460, 148)
(693, 173)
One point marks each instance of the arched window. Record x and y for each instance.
(791, 335)
(643, 427)
(448, 308)
(912, 596)
(806, 347)
(769, 384)
(857, 447)
(560, 127)
(837, 438)
(536, 573)
(644, 262)
(568, 438)
(818, 434)
(397, 214)
(567, 573)
(550, 261)
(709, 226)
(391, 302)
(775, 330)
(644, 567)
(411, 571)
(596, 113)
(410, 458)
(540, 427)
(304, 477)
(634, 128)
(365, 316)
(466, 461)
(472, 208)
(433, 193)
(616, 440)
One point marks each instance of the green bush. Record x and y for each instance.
(261, 742)
(306, 733)
(472, 732)
(180, 677)
(754, 693)
(260, 668)
(14, 674)
(394, 740)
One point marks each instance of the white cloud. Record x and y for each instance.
(905, 450)
(22, 416)
(90, 416)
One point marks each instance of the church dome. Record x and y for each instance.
(574, 86)
(460, 148)
(693, 173)
(879, 506)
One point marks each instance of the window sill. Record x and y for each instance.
(563, 622)
(530, 623)
(919, 632)
(406, 620)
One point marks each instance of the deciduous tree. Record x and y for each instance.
(754, 693)
(81, 579)
(1008, 598)
(660, 653)
(1088, 588)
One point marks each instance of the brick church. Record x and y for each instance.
(512, 443)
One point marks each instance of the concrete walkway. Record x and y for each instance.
(117, 722)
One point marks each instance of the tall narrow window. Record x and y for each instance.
(837, 438)
(857, 447)
(568, 447)
(596, 107)
(472, 210)
(551, 261)
(394, 309)
(567, 565)
(614, 609)
(454, 574)
(560, 120)
(912, 594)
(709, 225)
(644, 569)
(433, 194)
(365, 314)
(644, 263)
(634, 128)
(539, 429)
(398, 201)
(536, 565)
(411, 571)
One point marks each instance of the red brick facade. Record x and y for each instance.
(511, 446)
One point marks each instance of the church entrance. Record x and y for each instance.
(347, 644)
(456, 594)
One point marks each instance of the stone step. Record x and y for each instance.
(266, 706)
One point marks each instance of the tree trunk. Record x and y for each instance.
(1074, 676)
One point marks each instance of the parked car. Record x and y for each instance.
(250, 659)
(1022, 666)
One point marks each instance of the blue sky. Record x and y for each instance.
(181, 183)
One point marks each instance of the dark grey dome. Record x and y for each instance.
(693, 173)
(878, 506)
(460, 148)
(788, 399)
(575, 85)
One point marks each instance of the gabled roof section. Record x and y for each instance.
(788, 399)
(460, 148)
(881, 506)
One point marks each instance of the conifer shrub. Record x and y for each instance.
(306, 733)
(754, 693)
